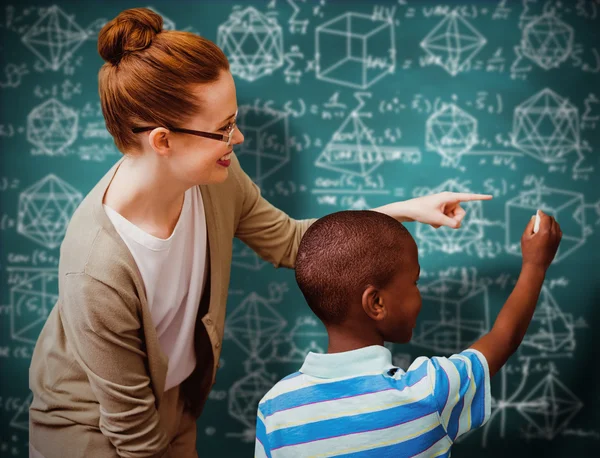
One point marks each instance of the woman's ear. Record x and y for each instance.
(372, 304)
(159, 141)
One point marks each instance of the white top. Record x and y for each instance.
(174, 274)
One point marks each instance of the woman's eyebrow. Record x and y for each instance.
(228, 117)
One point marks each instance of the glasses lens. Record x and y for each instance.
(231, 134)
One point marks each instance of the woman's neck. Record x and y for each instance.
(145, 197)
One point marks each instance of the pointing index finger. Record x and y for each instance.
(467, 196)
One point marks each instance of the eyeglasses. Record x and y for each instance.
(215, 136)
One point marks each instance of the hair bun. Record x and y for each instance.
(132, 30)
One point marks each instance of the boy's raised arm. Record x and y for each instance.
(513, 320)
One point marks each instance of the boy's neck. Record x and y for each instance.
(348, 337)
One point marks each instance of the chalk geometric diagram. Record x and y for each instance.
(52, 127)
(450, 240)
(351, 149)
(31, 301)
(252, 42)
(355, 50)
(548, 408)
(45, 209)
(546, 127)
(244, 396)
(54, 38)
(551, 333)
(547, 41)
(21, 418)
(451, 132)
(246, 257)
(308, 334)
(266, 142)
(453, 43)
(567, 207)
(454, 315)
(253, 325)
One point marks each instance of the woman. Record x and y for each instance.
(129, 353)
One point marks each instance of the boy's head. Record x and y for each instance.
(360, 269)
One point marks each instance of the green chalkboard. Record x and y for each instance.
(344, 105)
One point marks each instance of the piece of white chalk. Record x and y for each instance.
(536, 225)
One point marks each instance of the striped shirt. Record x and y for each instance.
(358, 404)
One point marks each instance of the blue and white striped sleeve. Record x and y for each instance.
(461, 387)
(261, 447)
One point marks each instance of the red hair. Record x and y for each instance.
(149, 73)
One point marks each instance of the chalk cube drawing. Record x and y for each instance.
(566, 207)
(31, 301)
(45, 209)
(453, 316)
(54, 37)
(450, 240)
(253, 43)
(551, 332)
(52, 127)
(266, 142)
(451, 132)
(547, 41)
(351, 149)
(453, 43)
(546, 127)
(354, 50)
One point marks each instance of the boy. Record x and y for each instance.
(358, 271)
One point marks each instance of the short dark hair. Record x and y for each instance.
(342, 253)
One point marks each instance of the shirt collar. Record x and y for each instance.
(367, 360)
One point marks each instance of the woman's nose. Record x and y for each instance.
(238, 136)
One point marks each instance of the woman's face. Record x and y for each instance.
(194, 160)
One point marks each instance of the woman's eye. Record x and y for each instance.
(227, 128)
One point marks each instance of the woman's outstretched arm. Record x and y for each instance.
(441, 209)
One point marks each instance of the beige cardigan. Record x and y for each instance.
(97, 363)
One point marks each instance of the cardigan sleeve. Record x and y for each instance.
(104, 334)
(270, 232)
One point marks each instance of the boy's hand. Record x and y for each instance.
(511, 324)
(540, 248)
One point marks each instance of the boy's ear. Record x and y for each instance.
(372, 304)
